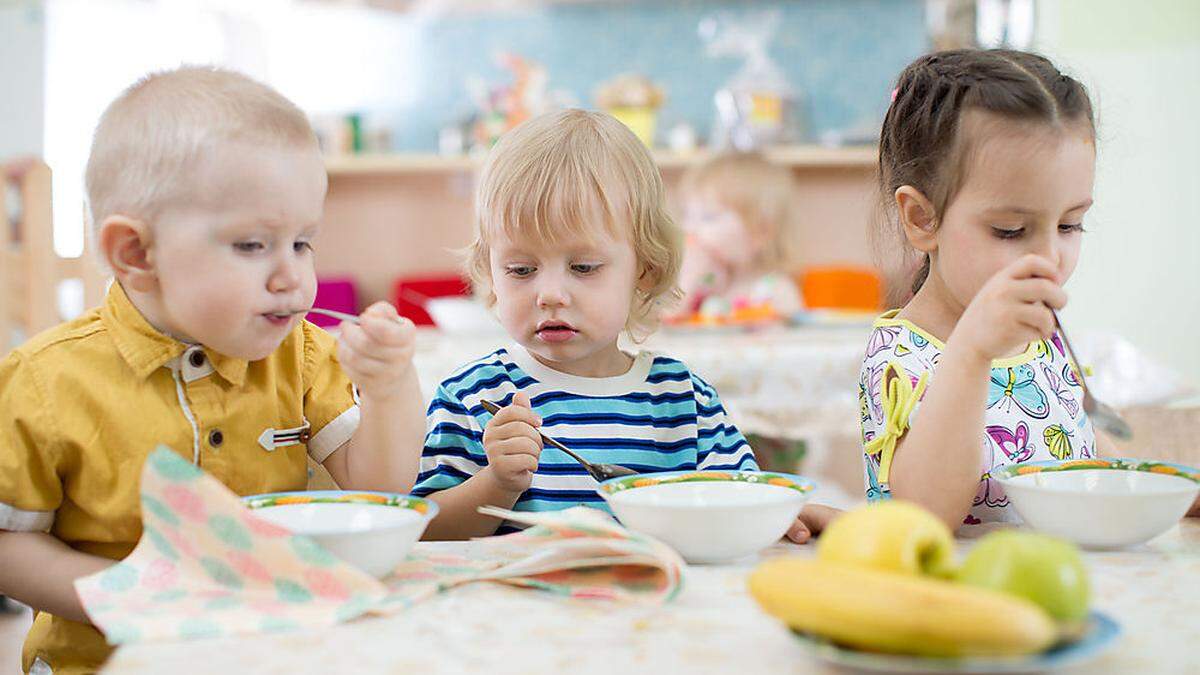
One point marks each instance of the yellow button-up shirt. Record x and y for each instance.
(83, 404)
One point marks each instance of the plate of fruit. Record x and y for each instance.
(886, 593)
(717, 314)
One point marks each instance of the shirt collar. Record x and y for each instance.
(146, 349)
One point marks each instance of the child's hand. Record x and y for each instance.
(813, 519)
(513, 445)
(1012, 309)
(377, 352)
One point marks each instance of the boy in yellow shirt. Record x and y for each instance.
(206, 189)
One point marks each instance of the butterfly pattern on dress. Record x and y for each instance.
(874, 384)
(990, 493)
(881, 338)
(1033, 411)
(1047, 348)
(1017, 386)
(874, 490)
(1069, 375)
(1057, 340)
(1014, 443)
(1060, 390)
(1058, 441)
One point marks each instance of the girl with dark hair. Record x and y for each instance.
(986, 166)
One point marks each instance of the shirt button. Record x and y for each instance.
(216, 438)
(196, 359)
(305, 435)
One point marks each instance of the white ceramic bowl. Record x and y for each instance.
(1100, 503)
(709, 516)
(373, 531)
(461, 316)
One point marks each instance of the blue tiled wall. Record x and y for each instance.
(844, 54)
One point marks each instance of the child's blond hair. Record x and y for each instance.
(549, 176)
(146, 146)
(760, 192)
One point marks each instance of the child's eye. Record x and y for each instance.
(1004, 233)
(302, 246)
(585, 268)
(248, 246)
(1070, 227)
(519, 271)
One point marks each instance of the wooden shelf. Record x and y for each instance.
(797, 156)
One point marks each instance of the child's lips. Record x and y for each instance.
(555, 332)
(278, 318)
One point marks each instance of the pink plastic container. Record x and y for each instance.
(337, 293)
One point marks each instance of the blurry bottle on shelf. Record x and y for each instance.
(757, 107)
(451, 140)
(634, 100)
(352, 133)
(965, 24)
(374, 135)
(354, 128)
(682, 137)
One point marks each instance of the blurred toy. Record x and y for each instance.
(842, 287)
(757, 107)
(412, 295)
(634, 100)
(502, 107)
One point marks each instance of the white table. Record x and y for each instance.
(712, 626)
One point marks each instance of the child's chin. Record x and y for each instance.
(253, 353)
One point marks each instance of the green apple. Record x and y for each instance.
(1040, 568)
(892, 535)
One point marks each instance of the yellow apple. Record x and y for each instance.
(891, 535)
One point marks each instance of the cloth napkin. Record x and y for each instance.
(206, 566)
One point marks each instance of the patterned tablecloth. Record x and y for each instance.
(713, 626)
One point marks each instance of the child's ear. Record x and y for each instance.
(918, 218)
(125, 244)
(646, 280)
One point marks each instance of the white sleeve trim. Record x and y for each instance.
(16, 520)
(333, 435)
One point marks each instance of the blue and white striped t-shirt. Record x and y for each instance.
(659, 416)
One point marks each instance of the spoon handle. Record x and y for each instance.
(333, 314)
(1071, 350)
(493, 409)
(341, 316)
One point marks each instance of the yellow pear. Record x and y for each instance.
(895, 536)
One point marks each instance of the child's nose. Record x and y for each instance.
(551, 293)
(1049, 247)
(285, 277)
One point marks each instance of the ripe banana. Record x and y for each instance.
(898, 613)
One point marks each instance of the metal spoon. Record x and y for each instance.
(341, 316)
(1102, 415)
(600, 472)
